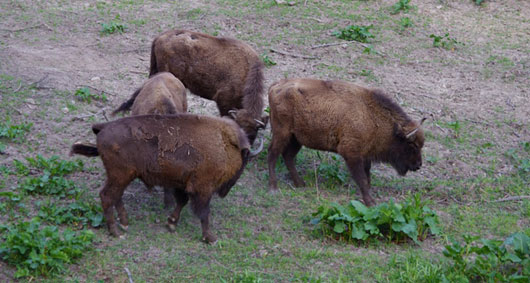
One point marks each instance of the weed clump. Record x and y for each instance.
(354, 32)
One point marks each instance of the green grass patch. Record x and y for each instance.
(12, 131)
(85, 95)
(355, 32)
(78, 214)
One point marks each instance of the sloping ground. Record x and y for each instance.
(475, 94)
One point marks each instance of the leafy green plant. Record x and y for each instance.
(267, 60)
(444, 41)
(332, 171)
(51, 180)
(395, 222)
(478, 2)
(405, 22)
(520, 159)
(36, 250)
(79, 214)
(85, 95)
(8, 200)
(401, 5)
(491, 260)
(112, 27)
(13, 131)
(354, 32)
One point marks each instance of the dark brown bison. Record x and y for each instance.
(160, 94)
(225, 70)
(195, 156)
(362, 125)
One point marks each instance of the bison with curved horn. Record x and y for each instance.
(225, 70)
(362, 125)
(195, 156)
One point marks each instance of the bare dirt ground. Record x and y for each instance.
(475, 95)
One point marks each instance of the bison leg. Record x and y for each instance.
(358, 171)
(182, 199)
(277, 146)
(169, 200)
(289, 155)
(367, 167)
(110, 196)
(122, 214)
(201, 208)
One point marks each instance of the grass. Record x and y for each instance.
(468, 166)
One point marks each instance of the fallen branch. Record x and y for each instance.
(24, 28)
(128, 274)
(346, 42)
(37, 83)
(90, 115)
(292, 54)
(19, 87)
(512, 198)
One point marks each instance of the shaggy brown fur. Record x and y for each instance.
(225, 70)
(161, 94)
(360, 124)
(195, 156)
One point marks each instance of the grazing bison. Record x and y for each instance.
(360, 124)
(195, 156)
(225, 70)
(161, 94)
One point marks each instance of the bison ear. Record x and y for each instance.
(233, 113)
(398, 131)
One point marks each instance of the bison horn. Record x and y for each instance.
(423, 120)
(260, 123)
(409, 135)
(233, 113)
(254, 153)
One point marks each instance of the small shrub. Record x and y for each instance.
(354, 32)
(36, 250)
(444, 42)
(85, 95)
(401, 5)
(333, 171)
(51, 180)
(79, 214)
(267, 60)
(393, 221)
(479, 2)
(491, 260)
(112, 27)
(12, 131)
(405, 22)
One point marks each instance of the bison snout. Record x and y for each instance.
(417, 166)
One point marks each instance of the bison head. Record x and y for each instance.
(249, 123)
(405, 150)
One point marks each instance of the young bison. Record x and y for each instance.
(360, 124)
(195, 156)
(225, 70)
(161, 94)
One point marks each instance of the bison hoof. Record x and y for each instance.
(114, 231)
(125, 228)
(209, 238)
(172, 227)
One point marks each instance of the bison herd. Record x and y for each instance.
(195, 156)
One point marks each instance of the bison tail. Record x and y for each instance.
(252, 93)
(127, 104)
(86, 149)
(153, 69)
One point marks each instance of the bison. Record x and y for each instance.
(225, 70)
(360, 124)
(196, 156)
(161, 94)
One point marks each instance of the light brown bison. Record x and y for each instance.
(225, 70)
(362, 125)
(163, 93)
(195, 156)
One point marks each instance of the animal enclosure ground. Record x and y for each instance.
(471, 79)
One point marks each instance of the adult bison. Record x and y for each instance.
(362, 125)
(222, 69)
(162, 94)
(195, 156)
